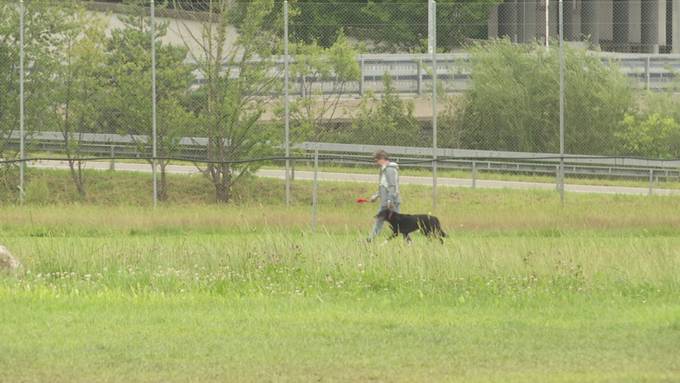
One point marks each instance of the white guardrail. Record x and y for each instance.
(194, 148)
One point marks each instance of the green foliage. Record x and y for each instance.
(78, 84)
(80, 81)
(230, 106)
(44, 25)
(652, 129)
(9, 91)
(9, 74)
(651, 135)
(316, 65)
(385, 121)
(48, 26)
(9, 179)
(513, 103)
(129, 100)
(129, 70)
(388, 26)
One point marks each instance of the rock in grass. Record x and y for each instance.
(7, 261)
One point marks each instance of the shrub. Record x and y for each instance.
(385, 121)
(653, 129)
(513, 102)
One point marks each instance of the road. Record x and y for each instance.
(372, 178)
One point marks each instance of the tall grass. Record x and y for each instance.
(501, 241)
(524, 290)
(254, 262)
(461, 210)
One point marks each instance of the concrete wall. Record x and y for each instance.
(181, 31)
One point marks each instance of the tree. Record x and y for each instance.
(386, 26)
(9, 87)
(513, 102)
(653, 136)
(237, 85)
(77, 84)
(43, 25)
(652, 129)
(316, 65)
(385, 121)
(128, 109)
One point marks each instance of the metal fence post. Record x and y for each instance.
(315, 189)
(562, 68)
(547, 24)
(420, 77)
(647, 72)
(112, 165)
(154, 127)
(474, 174)
(303, 83)
(651, 182)
(361, 75)
(22, 133)
(433, 50)
(286, 101)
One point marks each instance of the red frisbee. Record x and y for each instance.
(362, 200)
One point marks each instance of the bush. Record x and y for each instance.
(652, 135)
(385, 121)
(653, 129)
(513, 103)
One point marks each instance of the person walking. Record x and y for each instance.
(388, 189)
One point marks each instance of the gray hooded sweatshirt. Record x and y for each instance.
(388, 190)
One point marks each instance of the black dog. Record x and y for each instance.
(405, 224)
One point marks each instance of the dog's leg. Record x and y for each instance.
(428, 233)
(441, 234)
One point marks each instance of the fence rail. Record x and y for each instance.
(108, 146)
(411, 76)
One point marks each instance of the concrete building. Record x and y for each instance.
(648, 26)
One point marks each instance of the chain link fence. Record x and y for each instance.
(342, 89)
(10, 97)
(223, 88)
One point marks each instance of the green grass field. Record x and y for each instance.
(524, 290)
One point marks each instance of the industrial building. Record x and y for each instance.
(647, 26)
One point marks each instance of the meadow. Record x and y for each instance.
(524, 290)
